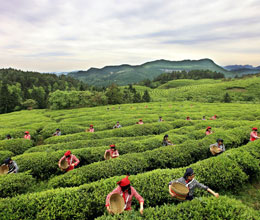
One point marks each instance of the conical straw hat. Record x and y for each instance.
(108, 156)
(4, 169)
(64, 164)
(180, 190)
(117, 203)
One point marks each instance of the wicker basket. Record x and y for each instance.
(4, 169)
(64, 165)
(117, 204)
(107, 155)
(180, 190)
(215, 150)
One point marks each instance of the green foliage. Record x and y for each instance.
(18, 86)
(16, 146)
(14, 184)
(170, 156)
(29, 103)
(5, 154)
(88, 201)
(202, 208)
(227, 98)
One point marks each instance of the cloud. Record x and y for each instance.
(83, 33)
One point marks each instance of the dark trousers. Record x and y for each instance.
(189, 198)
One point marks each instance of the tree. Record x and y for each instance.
(146, 97)
(29, 104)
(5, 99)
(137, 98)
(114, 95)
(227, 98)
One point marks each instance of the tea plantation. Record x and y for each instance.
(42, 191)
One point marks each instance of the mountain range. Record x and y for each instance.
(126, 74)
(242, 69)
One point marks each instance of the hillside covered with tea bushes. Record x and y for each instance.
(40, 190)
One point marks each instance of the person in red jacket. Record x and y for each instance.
(188, 118)
(127, 192)
(208, 131)
(113, 152)
(253, 135)
(27, 135)
(71, 159)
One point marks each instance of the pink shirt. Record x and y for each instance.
(208, 132)
(253, 136)
(140, 123)
(128, 198)
(27, 137)
(72, 159)
(113, 154)
(91, 130)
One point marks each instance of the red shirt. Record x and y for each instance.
(208, 132)
(72, 159)
(128, 198)
(253, 136)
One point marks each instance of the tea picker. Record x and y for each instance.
(9, 166)
(111, 153)
(114, 202)
(68, 161)
(183, 188)
(218, 147)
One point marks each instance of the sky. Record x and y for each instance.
(67, 35)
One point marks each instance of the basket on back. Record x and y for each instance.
(215, 150)
(4, 169)
(64, 165)
(107, 155)
(116, 204)
(180, 190)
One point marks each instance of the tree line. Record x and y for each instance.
(193, 74)
(21, 90)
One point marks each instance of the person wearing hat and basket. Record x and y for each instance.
(57, 133)
(113, 152)
(12, 165)
(117, 125)
(166, 141)
(218, 147)
(27, 135)
(127, 192)
(191, 183)
(253, 135)
(160, 119)
(208, 131)
(140, 122)
(90, 129)
(71, 159)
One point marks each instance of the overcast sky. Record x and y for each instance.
(65, 35)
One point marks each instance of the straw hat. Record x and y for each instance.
(117, 203)
(4, 169)
(64, 165)
(180, 190)
(107, 155)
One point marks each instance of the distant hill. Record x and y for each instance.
(125, 74)
(242, 69)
